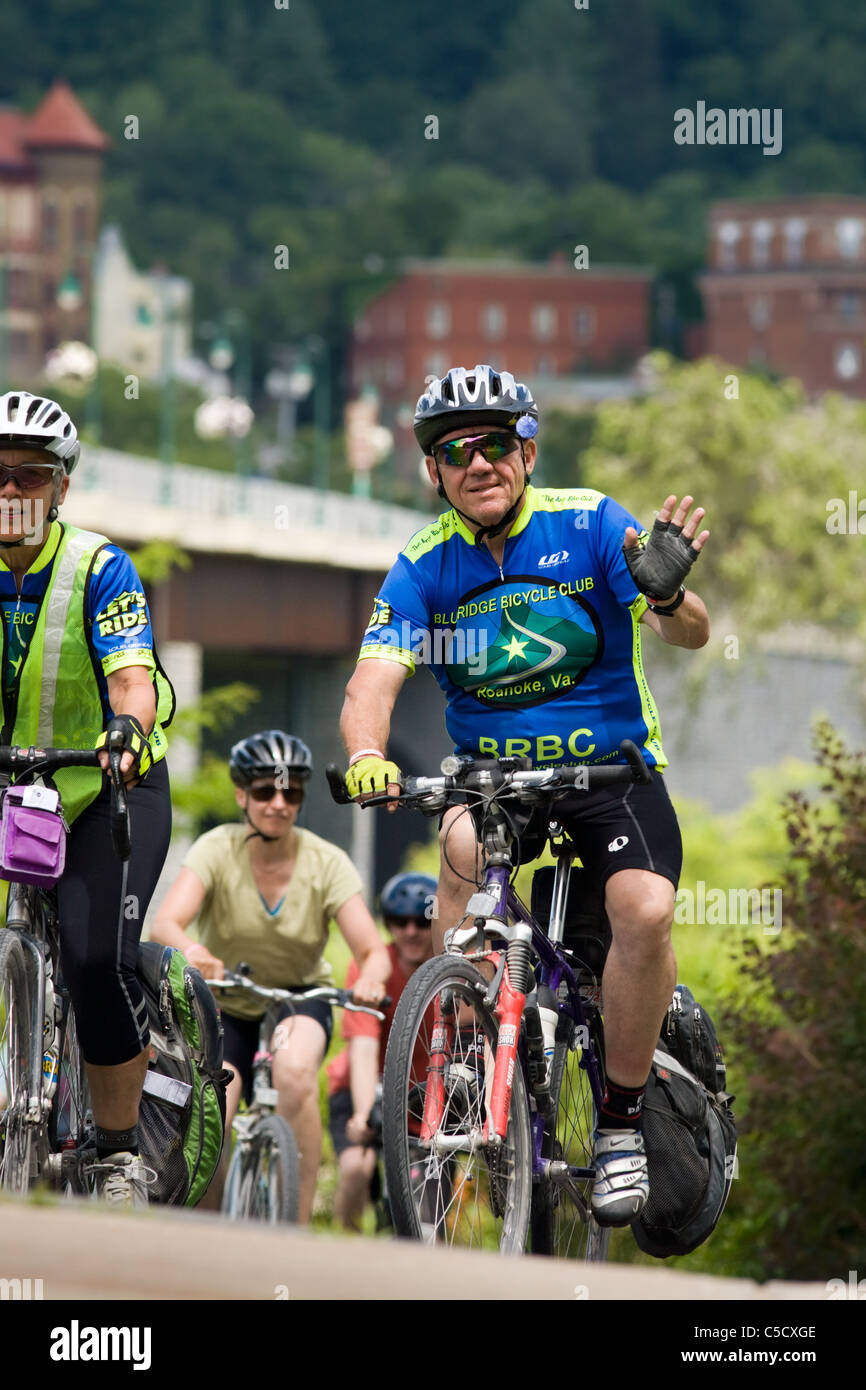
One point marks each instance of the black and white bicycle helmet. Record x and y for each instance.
(38, 422)
(463, 396)
(267, 754)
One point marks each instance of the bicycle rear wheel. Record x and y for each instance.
(562, 1223)
(16, 1135)
(264, 1179)
(455, 1189)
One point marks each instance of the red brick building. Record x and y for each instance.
(786, 288)
(50, 205)
(537, 321)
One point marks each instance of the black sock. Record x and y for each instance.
(621, 1107)
(115, 1141)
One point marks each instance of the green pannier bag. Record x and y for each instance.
(183, 1107)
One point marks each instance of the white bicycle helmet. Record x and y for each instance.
(463, 396)
(38, 422)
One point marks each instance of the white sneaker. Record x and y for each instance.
(126, 1180)
(621, 1185)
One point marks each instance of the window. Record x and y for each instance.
(795, 231)
(847, 361)
(81, 224)
(849, 235)
(583, 325)
(493, 322)
(543, 322)
(760, 311)
(22, 210)
(394, 371)
(436, 365)
(849, 307)
(545, 366)
(729, 235)
(438, 320)
(363, 330)
(50, 225)
(762, 232)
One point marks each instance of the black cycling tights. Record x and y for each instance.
(98, 941)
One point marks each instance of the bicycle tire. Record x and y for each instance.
(16, 1134)
(264, 1178)
(562, 1223)
(479, 1196)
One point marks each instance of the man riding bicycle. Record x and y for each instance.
(353, 1075)
(531, 603)
(78, 660)
(265, 891)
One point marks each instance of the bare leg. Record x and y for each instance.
(458, 874)
(640, 973)
(115, 1092)
(356, 1168)
(298, 1047)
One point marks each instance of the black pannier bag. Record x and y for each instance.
(690, 1134)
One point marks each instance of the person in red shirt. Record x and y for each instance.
(407, 905)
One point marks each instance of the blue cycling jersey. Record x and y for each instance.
(541, 657)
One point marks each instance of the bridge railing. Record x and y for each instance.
(204, 492)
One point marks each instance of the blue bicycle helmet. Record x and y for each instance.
(408, 895)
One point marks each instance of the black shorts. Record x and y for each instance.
(340, 1110)
(242, 1035)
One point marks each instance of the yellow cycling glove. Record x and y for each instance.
(370, 776)
(134, 741)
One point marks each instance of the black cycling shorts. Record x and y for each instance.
(242, 1035)
(101, 920)
(627, 826)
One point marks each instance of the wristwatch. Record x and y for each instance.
(653, 607)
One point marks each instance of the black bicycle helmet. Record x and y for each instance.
(463, 397)
(408, 895)
(269, 753)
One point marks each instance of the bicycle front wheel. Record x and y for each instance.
(264, 1179)
(16, 1135)
(70, 1125)
(453, 1188)
(562, 1221)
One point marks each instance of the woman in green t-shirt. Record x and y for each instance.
(265, 891)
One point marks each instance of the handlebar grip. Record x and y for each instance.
(635, 760)
(337, 785)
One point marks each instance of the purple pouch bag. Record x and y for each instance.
(32, 836)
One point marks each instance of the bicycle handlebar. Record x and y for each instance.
(499, 775)
(331, 994)
(19, 760)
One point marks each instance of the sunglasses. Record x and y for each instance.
(30, 476)
(398, 923)
(293, 795)
(460, 452)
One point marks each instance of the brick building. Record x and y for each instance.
(786, 288)
(537, 321)
(50, 204)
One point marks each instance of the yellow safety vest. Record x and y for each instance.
(56, 699)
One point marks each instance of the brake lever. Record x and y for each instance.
(120, 833)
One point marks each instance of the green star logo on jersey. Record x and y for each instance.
(533, 656)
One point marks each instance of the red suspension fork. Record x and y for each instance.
(509, 1011)
(441, 1046)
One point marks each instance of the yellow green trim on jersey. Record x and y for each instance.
(653, 741)
(130, 656)
(47, 553)
(384, 653)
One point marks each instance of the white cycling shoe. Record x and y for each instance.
(621, 1185)
(126, 1180)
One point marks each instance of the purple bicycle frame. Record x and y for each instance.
(554, 969)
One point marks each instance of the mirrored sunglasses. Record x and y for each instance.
(30, 476)
(458, 453)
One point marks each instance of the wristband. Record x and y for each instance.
(671, 608)
(366, 753)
